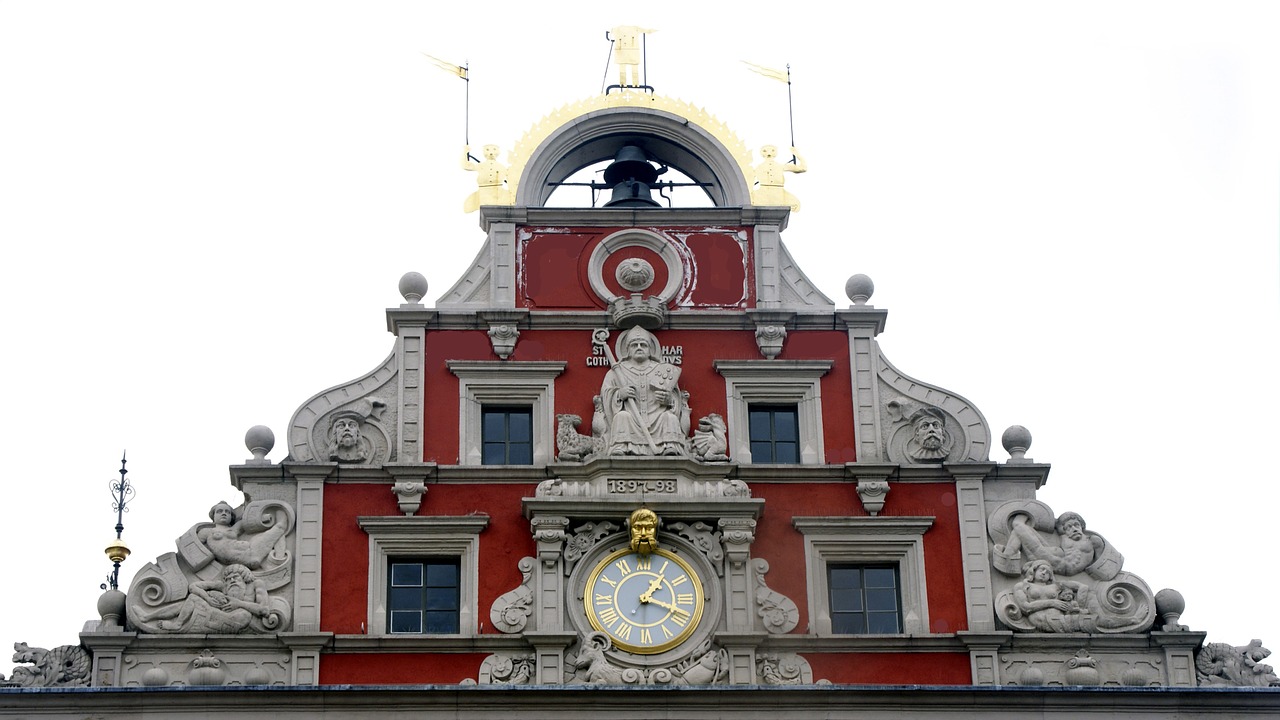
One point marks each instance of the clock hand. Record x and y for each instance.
(647, 596)
(668, 606)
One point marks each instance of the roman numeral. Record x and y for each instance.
(603, 599)
(644, 563)
(680, 619)
(663, 570)
(611, 583)
(680, 581)
(623, 566)
(684, 599)
(608, 616)
(665, 632)
(645, 636)
(623, 631)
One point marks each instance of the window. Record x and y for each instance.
(423, 573)
(793, 384)
(490, 384)
(506, 435)
(423, 596)
(775, 433)
(834, 545)
(864, 599)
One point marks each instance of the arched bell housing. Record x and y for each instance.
(656, 137)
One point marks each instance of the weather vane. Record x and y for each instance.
(117, 551)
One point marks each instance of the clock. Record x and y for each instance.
(645, 603)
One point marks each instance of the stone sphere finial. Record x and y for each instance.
(1016, 441)
(859, 289)
(259, 440)
(413, 286)
(1169, 606)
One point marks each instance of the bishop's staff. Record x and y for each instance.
(464, 72)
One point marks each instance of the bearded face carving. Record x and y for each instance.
(346, 444)
(930, 441)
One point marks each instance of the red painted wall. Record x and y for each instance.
(398, 668)
(783, 546)
(345, 548)
(551, 265)
(579, 382)
(891, 668)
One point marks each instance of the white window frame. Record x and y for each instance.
(775, 382)
(505, 382)
(422, 537)
(866, 540)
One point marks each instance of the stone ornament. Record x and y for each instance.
(206, 669)
(353, 435)
(769, 339)
(645, 411)
(1070, 579)
(572, 446)
(503, 337)
(925, 424)
(711, 439)
(922, 434)
(507, 669)
(221, 579)
(1081, 669)
(409, 495)
(583, 538)
(634, 274)
(705, 538)
(590, 665)
(1223, 665)
(510, 612)
(872, 494)
(311, 436)
(63, 666)
(778, 613)
(784, 669)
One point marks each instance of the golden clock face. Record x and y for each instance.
(646, 603)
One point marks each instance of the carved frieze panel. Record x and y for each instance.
(1068, 578)
(924, 424)
(590, 663)
(352, 424)
(777, 611)
(227, 576)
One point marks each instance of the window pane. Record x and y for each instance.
(520, 454)
(442, 622)
(882, 578)
(494, 454)
(847, 624)
(883, 623)
(786, 452)
(846, 600)
(846, 577)
(406, 574)
(405, 599)
(520, 425)
(785, 425)
(493, 426)
(406, 621)
(442, 574)
(881, 600)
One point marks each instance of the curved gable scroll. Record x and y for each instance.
(926, 424)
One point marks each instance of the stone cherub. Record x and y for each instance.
(232, 543)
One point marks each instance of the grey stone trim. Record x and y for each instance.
(310, 525)
(506, 382)
(975, 443)
(454, 702)
(858, 539)
(775, 381)
(780, 283)
(424, 535)
(974, 551)
(1145, 660)
(864, 354)
(410, 346)
(490, 281)
(306, 425)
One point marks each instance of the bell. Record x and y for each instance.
(631, 174)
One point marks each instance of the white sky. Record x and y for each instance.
(1071, 211)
